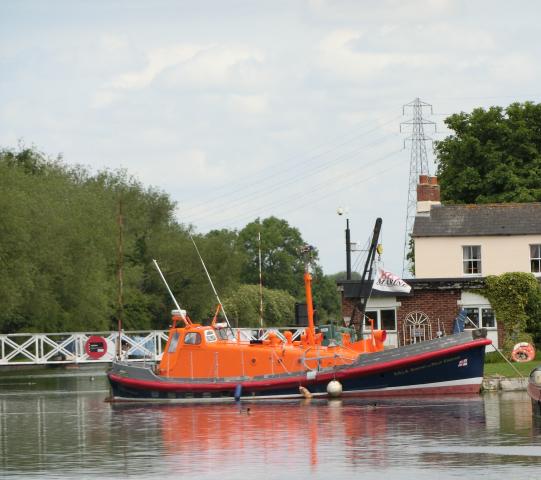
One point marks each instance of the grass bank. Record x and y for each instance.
(496, 365)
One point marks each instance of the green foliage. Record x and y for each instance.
(282, 264)
(511, 295)
(325, 295)
(494, 155)
(410, 256)
(58, 245)
(533, 312)
(335, 277)
(243, 307)
(59, 254)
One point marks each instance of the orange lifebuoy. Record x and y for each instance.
(523, 352)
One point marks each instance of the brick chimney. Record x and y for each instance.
(428, 193)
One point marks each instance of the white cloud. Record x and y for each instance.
(103, 98)
(251, 104)
(187, 167)
(157, 61)
(192, 66)
(513, 68)
(217, 66)
(339, 56)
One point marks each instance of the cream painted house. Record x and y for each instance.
(469, 241)
(456, 247)
(478, 240)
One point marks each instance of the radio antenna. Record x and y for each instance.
(180, 311)
(212, 284)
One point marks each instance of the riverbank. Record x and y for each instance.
(504, 384)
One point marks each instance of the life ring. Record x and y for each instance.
(523, 352)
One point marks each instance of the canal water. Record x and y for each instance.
(55, 424)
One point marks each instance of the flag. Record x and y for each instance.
(389, 282)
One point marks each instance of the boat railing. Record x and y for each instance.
(77, 347)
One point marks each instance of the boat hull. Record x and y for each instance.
(534, 391)
(451, 365)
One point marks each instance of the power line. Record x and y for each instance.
(249, 198)
(317, 190)
(255, 182)
(418, 166)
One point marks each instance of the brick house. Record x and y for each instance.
(456, 246)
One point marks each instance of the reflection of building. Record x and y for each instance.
(455, 247)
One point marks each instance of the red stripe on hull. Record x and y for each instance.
(267, 384)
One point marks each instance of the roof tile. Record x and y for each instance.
(480, 219)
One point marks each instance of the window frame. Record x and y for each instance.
(536, 259)
(480, 322)
(377, 320)
(471, 260)
(188, 338)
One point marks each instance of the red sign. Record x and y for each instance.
(96, 347)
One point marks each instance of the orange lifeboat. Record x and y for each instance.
(212, 363)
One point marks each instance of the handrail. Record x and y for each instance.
(69, 347)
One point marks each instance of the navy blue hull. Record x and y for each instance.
(453, 372)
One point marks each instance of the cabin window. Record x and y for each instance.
(471, 259)
(535, 258)
(482, 317)
(225, 334)
(173, 343)
(192, 338)
(210, 336)
(384, 318)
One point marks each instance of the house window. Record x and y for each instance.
(384, 318)
(535, 258)
(482, 317)
(471, 259)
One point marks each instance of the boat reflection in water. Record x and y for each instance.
(75, 434)
(296, 435)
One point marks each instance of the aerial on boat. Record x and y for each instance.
(215, 363)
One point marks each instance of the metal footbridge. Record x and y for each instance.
(100, 347)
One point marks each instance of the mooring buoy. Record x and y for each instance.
(334, 388)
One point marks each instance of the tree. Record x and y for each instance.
(516, 299)
(243, 307)
(326, 296)
(58, 246)
(282, 263)
(335, 277)
(494, 155)
(59, 253)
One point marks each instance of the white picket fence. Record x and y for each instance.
(67, 348)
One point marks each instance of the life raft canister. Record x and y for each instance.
(523, 352)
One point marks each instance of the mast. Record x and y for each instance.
(366, 280)
(120, 276)
(307, 250)
(260, 283)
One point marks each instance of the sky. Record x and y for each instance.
(246, 109)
